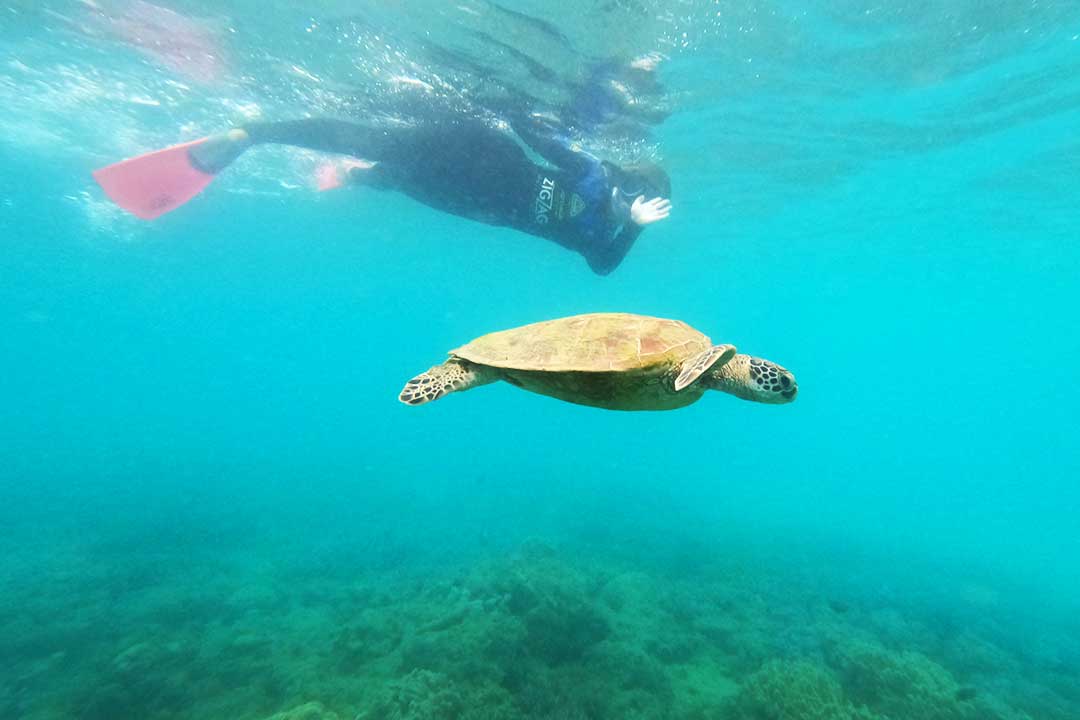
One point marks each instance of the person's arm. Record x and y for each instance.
(549, 141)
(603, 260)
(643, 212)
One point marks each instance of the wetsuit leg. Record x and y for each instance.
(458, 165)
(464, 167)
(337, 136)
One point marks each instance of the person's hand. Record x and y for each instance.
(645, 212)
(648, 61)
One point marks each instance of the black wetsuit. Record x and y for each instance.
(466, 167)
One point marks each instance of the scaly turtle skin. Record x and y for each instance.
(616, 361)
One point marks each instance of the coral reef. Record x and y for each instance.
(428, 695)
(907, 684)
(307, 711)
(535, 634)
(794, 690)
(552, 600)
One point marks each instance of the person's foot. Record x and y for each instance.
(334, 174)
(218, 151)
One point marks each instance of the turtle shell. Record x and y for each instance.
(598, 342)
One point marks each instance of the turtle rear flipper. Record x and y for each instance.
(452, 376)
(692, 367)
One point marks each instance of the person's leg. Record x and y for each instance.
(161, 181)
(323, 135)
(335, 136)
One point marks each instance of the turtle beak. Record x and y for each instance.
(791, 388)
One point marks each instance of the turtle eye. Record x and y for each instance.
(785, 381)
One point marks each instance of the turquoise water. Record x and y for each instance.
(215, 507)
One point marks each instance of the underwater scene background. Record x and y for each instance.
(213, 505)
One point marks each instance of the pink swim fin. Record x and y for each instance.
(151, 185)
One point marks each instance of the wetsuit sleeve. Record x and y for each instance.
(554, 147)
(606, 258)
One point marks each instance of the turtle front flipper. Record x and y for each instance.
(694, 366)
(452, 376)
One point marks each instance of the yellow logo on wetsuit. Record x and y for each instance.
(555, 203)
(576, 205)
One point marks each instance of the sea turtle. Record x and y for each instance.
(617, 361)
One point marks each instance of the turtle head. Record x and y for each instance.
(753, 378)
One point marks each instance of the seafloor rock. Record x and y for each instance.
(909, 684)
(553, 601)
(966, 652)
(148, 678)
(794, 690)
(145, 657)
(627, 667)
(637, 608)
(427, 695)
(675, 646)
(484, 647)
(420, 695)
(307, 711)
(562, 627)
(619, 681)
(366, 638)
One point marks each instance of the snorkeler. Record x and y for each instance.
(459, 164)
(619, 99)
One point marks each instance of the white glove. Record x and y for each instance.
(645, 212)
